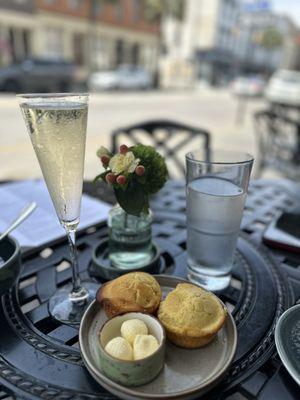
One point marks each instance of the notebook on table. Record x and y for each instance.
(42, 226)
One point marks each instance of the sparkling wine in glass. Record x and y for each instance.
(56, 124)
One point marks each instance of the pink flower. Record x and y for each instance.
(140, 170)
(110, 178)
(121, 180)
(123, 149)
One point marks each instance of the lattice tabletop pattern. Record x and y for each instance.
(40, 359)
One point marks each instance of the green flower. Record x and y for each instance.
(103, 151)
(156, 172)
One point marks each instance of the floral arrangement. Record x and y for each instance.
(135, 173)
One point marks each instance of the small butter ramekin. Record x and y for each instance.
(132, 373)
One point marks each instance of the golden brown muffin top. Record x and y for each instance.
(191, 310)
(133, 291)
(139, 287)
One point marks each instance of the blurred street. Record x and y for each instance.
(212, 109)
(189, 61)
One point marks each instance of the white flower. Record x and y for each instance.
(123, 163)
(103, 152)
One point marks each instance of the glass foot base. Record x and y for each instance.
(212, 283)
(70, 309)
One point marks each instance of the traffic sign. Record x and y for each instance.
(253, 6)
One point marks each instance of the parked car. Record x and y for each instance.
(284, 87)
(38, 75)
(126, 77)
(248, 86)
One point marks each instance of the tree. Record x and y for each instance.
(271, 39)
(156, 9)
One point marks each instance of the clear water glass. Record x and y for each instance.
(216, 189)
(56, 124)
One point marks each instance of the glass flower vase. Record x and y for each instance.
(130, 243)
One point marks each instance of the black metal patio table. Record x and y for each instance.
(40, 358)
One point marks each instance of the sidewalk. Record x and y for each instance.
(214, 110)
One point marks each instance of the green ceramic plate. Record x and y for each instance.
(287, 339)
(186, 374)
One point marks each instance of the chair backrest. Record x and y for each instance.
(278, 141)
(171, 139)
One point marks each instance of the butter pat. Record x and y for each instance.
(133, 327)
(119, 348)
(144, 346)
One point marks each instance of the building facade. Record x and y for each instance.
(15, 30)
(253, 56)
(215, 50)
(95, 34)
(204, 41)
(218, 39)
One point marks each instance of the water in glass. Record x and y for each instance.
(215, 208)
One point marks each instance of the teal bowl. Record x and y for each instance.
(10, 263)
(132, 373)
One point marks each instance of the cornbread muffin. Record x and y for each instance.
(191, 316)
(133, 292)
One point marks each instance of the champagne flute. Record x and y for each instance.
(56, 124)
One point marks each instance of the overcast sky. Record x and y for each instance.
(290, 7)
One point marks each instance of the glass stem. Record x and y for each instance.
(75, 272)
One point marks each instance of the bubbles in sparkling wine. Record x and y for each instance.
(58, 132)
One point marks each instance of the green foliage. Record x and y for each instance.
(156, 172)
(155, 9)
(271, 39)
(133, 200)
(100, 177)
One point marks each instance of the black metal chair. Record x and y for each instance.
(278, 143)
(171, 139)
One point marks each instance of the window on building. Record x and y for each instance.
(135, 54)
(119, 10)
(136, 10)
(97, 7)
(26, 42)
(120, 52)
(75, 4)
(79, 48)
(53, 43)
(11, 41)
